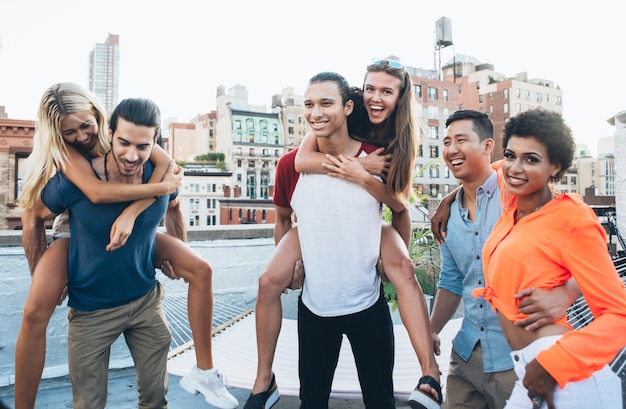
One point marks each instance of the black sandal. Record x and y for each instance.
(422, 400)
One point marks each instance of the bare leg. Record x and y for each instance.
(48, 281)
(198, 273)
(411, 301)
(269, 314)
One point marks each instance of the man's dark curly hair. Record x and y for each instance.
(549, 129)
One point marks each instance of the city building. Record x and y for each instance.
(251, 140)
(482, 89)
(436, 101)
(202, 191)
(104, 71)
(16, 141)
(290, 109)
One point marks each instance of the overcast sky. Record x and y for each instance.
(178, 52)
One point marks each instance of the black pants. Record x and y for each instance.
(370, 333)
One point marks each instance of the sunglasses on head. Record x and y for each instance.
(391, 63)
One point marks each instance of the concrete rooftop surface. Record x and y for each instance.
(57, 393)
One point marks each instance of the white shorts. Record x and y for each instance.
(602, 390)
(61, 226)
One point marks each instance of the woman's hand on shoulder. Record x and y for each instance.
(377, 163)
(348, 168)
(173, 178)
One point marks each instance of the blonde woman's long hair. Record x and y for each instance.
(49, 148)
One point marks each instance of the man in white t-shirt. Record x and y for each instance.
(339, 226)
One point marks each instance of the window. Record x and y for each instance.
(477, 84)
(418, 90)
(538, 97)
(460, 89)
(518, 108)
(491, 109)
(433, 132)
(518, 92)
(237, 124)
(432, 93)
(20, 172)
(434, 151)
(251, 152)
(434, 190)
(480, 98)
(433, 112)
(265, 181)
(527, 94)
(505, 93)
(445, 94)
(558, 100)
(505, 107)
(434, 171)
(251, 192)
(490, 96)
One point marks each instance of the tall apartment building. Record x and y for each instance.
(104, 71)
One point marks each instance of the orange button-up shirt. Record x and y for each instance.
(544, 249)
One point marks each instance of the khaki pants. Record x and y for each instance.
(468, 386)
(147, 335)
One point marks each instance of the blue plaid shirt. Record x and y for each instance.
(462, 271)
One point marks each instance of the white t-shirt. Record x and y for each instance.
(339, 225)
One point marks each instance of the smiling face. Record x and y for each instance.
(526, 167)
(131, 146)
(324, 109)
(465, 154)
(381, 92)
(80, 129)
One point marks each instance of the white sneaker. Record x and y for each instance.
(211, 386)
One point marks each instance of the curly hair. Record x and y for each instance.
(549, 129)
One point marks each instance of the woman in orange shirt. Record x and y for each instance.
(541, 240)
